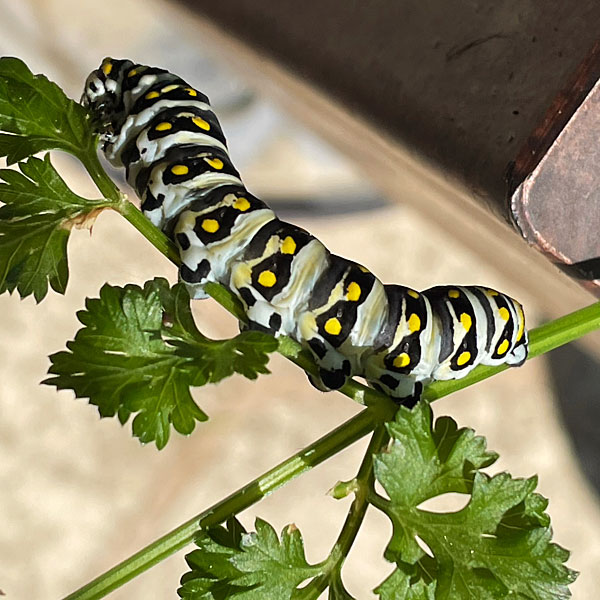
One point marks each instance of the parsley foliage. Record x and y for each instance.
(38, 213)
(498, 545)
(140, 352)
(247, 353)
(36, 115)
(231, 563)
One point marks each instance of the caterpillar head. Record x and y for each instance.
(102, 92)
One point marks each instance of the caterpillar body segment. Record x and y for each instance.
(168, 139)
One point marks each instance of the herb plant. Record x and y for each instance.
(139, 352)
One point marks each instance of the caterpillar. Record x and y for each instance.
(164, 133)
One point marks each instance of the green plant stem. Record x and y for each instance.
(126, 208)
(319, 451)
(154, 235)
(542, 339)
(363, 487)
(89, 158)
(365, 480)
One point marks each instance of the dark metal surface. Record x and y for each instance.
(464, 83)
(560, 111)
(557, 207)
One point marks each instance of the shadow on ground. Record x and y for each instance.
(576, 377)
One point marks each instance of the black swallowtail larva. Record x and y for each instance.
(170, 142)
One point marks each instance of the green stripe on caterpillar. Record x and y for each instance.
(166, 136)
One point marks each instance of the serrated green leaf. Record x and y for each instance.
(231, 563)
(247, 353)
(35, 221)
(498, 545)
(36, 115)
(121, 362)
(442, 460)
(407, 582)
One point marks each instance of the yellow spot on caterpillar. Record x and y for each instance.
(453, 294)
(132, 73)
(288, 246)
(215, 163)
(267, 279)
(333, 326)
(210, 225)
(492, 292)
(107, 68)
(412, 293)
(164, 126)
(241, 204)
(402, 360)
(363, 269)
(200, 122)
(504, 314)
(169, 88)
(152, 95)
(414, 323)
(463, 358)
(191, 92)
(503, 347)
(179, 170)
(521, 321)
(466, 321)
(354, 291)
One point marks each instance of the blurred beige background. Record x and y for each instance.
(78, 494)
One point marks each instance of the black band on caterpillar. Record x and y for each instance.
(164, 133)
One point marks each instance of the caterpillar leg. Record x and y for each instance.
(334, 367)
(402, 389)
(331, 379)
(263, 317)
(195, 274)
(196, 268)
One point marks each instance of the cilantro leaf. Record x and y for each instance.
(231, 563)
(38, 212)
(120, 361)
(36, 115)
(498, 545)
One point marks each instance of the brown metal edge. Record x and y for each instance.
(586, 273)
(559, 113)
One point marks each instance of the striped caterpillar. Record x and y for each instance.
(170, 142)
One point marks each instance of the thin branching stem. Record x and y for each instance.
(362, 487)
(319, 451)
